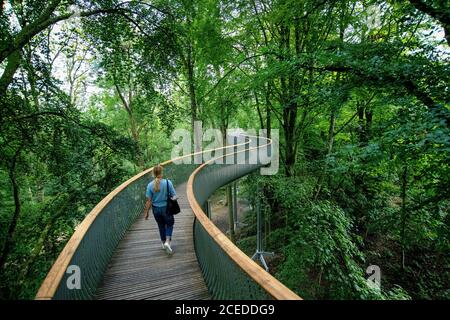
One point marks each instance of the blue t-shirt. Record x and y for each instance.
(159, 199)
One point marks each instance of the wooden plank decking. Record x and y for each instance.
(140, 269)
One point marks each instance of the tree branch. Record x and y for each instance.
(440, 14)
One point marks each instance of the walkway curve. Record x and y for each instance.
(272, 286)
(55, 277)
(108, 240)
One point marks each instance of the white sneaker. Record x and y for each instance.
(168, 248)
(163, 246)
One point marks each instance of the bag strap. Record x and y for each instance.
(168, 192)
(168, 196)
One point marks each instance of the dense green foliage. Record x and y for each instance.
(90, 92)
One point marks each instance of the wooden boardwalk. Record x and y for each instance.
(141, 269)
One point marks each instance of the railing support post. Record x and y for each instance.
(260, 253)
(235, 206)
(237, 223)
(208, 209)
(230, 213)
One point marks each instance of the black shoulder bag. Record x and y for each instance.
(172, 205)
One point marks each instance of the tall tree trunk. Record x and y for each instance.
(364, 122)
(31, 77)
(268, 115)
(334, 109)
(361, 126)
(289, 107)
(128, 105)
(404, 215)
(330, 142)
(135, 135)
(289, 148)
(192, 94)
(258, 108)
(268, 62)
(13, 63)
(17, 210)
(368, 125)
(223, 128)
(331, 138)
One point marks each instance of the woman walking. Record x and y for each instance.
(157, 192)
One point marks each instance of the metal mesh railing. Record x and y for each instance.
(225, 278)
(98, 244)
(92, 248)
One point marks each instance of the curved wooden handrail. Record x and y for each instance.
(274, 287)
(52, 280)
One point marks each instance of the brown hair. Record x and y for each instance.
(157, 172)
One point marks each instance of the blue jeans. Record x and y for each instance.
(165, 222)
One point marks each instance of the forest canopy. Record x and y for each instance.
(91, 91)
